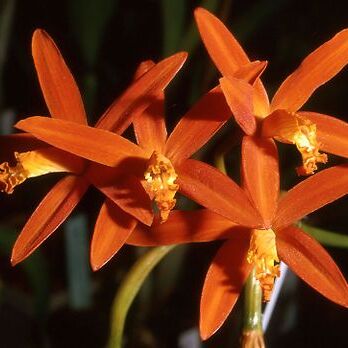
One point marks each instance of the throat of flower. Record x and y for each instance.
(263, 254)
(160, 176)
(305, 139)
(36, 163)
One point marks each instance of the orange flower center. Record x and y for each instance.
(160, 176)
(306, 142)
(263, 254)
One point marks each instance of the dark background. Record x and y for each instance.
(102, 43)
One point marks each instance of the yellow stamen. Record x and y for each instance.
(306, 142)
(160, 177)
(263, 254)
(35, 163)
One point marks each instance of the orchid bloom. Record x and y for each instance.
(153, 162)
(258, 229)
(64, 103)
(281, 119)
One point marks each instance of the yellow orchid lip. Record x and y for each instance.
(263, 254)
(161, 179)
(36, 163)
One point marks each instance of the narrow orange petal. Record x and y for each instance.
(58, 86)
(239, 97)
(309, 260)
(250, 72)
(317, 68)
(260, 170)
(143, 68)
(332, 133)
(198, 125)
(223, 283)
(311, 194)
(111, 230)
(212, 189)
(185, 227)
(149, 127)
(226, 53)
(140, 94)
(91, 143)
(48, 216)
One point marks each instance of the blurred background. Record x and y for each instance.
(53, 299)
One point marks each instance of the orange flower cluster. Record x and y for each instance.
(257, 225)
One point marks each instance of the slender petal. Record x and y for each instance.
(332, 133)
(316, 69)
(140, 94)
(217, 192)
(149, 127)
(251, 72)
(198, 125)
(185, 227)
(143, 68)
(112, 229)
(223, 283)
(309, 260)
(261, 175)
(239, 97)
(58, 86)
(226, 53)
(50, 213)
(91, 143)
(311, 194)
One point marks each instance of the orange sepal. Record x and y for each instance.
(58, 86)
(217, 192)
(91, 143)
(223, 283)
(309, 260)
(316, 69)
(239, 97)
(332, 133)
(198, 125)
(311, 194)
(50, 213)
(111, 231)
(140, 94)
(149, 127)
(185, 227)
(227, 54)
(260, 170)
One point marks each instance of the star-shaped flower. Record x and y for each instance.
(281, 119)
(258, 229)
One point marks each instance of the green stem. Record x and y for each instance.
(130, 288)
(252, 326)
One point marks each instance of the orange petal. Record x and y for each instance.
(143, 68)
(111, 230)
(332, 133)
(212, 189)
(50, 213)
(226, 53)
(58, 86)
(185, 227)
(311, 194)
(141, 93)
(250, 72)
(128, 193)
(239, 97)
(260, 171)
(309, 260)
(149, 127)
(91, 143)
(198, 125)
(223, 283)
(316, 69)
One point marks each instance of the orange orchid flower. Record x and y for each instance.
(258, 228)
(64, 103)
(281, 119)
(153, 162)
